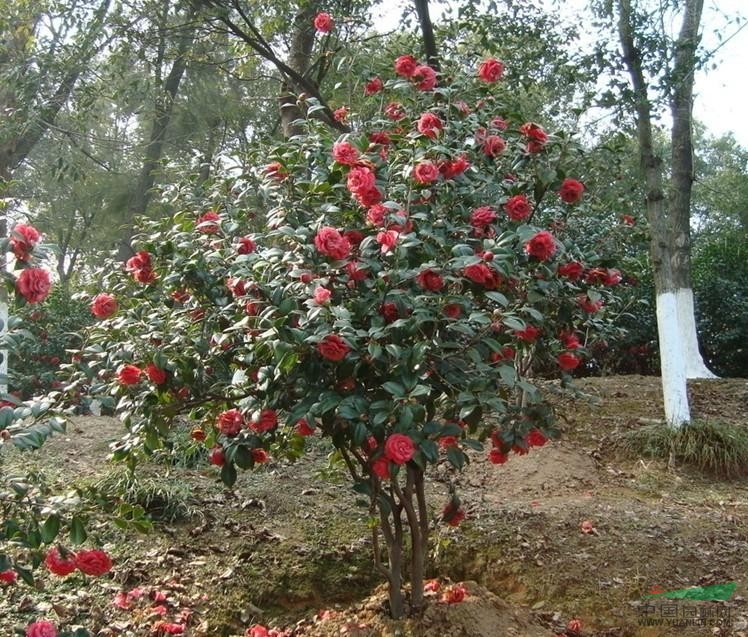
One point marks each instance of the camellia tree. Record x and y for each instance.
(404, 282)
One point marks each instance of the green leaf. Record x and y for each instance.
(78, 532)
(228, 474)
(396, 389)
(243, 458)
(498, 297)
(50, 529)
(456, 457)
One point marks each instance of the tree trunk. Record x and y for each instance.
(152, 159)
(427, 33)
(3, 297)
(681, 184)
(672, 357)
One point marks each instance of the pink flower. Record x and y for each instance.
(388, 240)
(373, 86)
(406, 65)
(323, 22)
(587, 527)
(571, 191)
(103, 305)
(361, 178)
(431, 586)
(612, 277)
(430, 125)
(425, 172)
(33, 284)
(345, 153)
(340, 114)
(491, 70)
(454, 168)
(483, 216)
(23, 238)
(322, 295)
(499, 123)
(41, 629)
(424, 77)
(517, 208)
(399, 448)
(140, 267)
(628, 220)
(230, 422)
(246, 245)
(454, 594)
(331, 243)
(276, 170)
(129, 375)
(542, 246)
(355, 271)
(94, 562)
(376, 215)
(333, 348)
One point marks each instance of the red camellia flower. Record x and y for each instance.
(103, 305)
(430, 280)
(430, 125)
(399, 448)
(496, 456)
(208, 223)
(568, 361)
(394, 111)
(323, 22)
(257, 630)
(431, 586)
(94, 562)
(572, 270)
(380, 467)
(41, 629)
(355, 271)
(388, 240)
(454, 594)
(321, 295)
(517, 208)
(493, 145)
(612, 277)
(345, 153)
(628, 220)
(8, 577)
(303, 428)
(452, 310)
(140, 267)
(23, 238)
(376, 214)
(454, 168)
(167, 628)
(361, 178)
(491, 70)
(33, 284)
(230, 422)
(424, 77)
(155, 374)
(574, 626)
(245, 245)
(588, 305)
(331, 243)
(570, 340)
(129, 375)
(529, 334)
(217, 456)
(59, 565)
(499, 123)
(571, 191)
(333, 348)
(340, 114)
(483, 216)
(480, 273)
(373, 86)
(389, 311)
(267, 421)
(536, 137)
(260, 456)
(535, 438)
(406, 65)
(425, 172)
(276, 171)
(542, 246)
(453, 514)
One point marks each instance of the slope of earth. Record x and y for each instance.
(567, 531)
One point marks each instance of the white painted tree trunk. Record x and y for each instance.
(672, 361)
(3, 332)
(695, 367)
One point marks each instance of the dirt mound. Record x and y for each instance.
(480, 614)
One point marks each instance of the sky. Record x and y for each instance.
(721, 97)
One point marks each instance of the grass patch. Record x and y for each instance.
(714, 447)
(163, 499)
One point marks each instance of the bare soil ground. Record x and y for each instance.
(289, 548)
